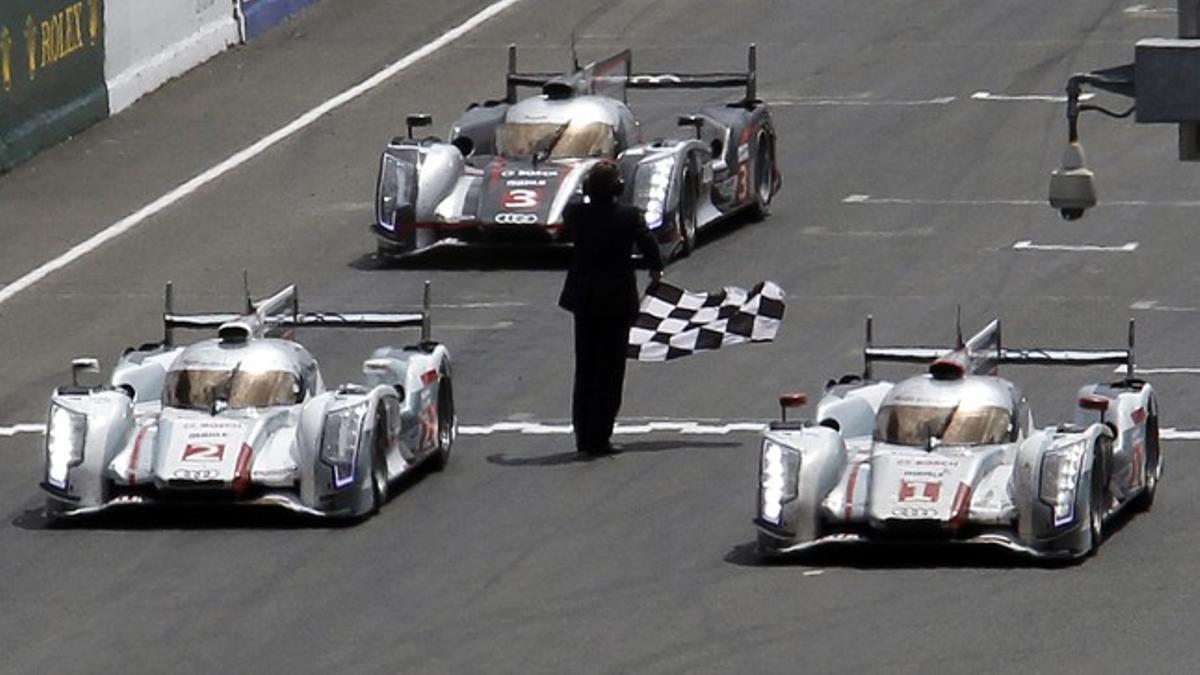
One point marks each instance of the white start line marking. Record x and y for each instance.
(706, 427)
(1170, 370)
(1147, 11)
(1027, 245)
(857, 101)
(864, 198)
(250, 152)
(1153, 306)
(1044, 98)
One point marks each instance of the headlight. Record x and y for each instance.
(1061, 467)
(64, 444)
(778, 479)
(651, 186)
(397, 183)
(339, 441)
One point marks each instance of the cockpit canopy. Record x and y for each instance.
(971, 411)
(580, 126)
(261, 373)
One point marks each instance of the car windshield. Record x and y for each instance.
(197, 389)
(555, 140)
(915, 424)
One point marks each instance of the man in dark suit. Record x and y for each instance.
(600, 290)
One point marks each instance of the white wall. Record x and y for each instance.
(150, 41)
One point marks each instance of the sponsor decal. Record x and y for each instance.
(521, 198)
(526, 182)
(197, 474)
(529, 173)
(199, 452)
(655, 79)
(919, 491)
(743, 152)
(516, 218)
(915, 512)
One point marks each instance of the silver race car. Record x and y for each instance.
(245, 418)
(953, 456)
(511, 166)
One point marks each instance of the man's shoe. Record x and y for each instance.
(605, 450)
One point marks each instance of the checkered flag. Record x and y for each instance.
(674, 322)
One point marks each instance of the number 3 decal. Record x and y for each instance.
(521, 199)
(743, 182)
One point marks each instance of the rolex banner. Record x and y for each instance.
(51, 73)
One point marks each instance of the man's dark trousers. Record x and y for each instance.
(600, 345)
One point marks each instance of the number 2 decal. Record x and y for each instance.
(521, 199)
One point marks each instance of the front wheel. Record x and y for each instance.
(445, 425)
(378, 470)
(686, 215)
(764, 176)
(1152, 470)
(1097, 503)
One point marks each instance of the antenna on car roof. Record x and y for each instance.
(866, 358)
(246, 291)
(958, 338)
(574, 55)
(169, 310)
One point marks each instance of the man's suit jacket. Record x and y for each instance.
(600, 281)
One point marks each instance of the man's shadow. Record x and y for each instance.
(572, 457)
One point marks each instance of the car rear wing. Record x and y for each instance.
(984, 352)
(614, 75)
(281, 311)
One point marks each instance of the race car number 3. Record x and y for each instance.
(521, 199)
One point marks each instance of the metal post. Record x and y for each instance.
(1129, 366)
(867, 359)
(168, 309)
(510, 89)
(752, 72)
(425, 307)
(246, 291)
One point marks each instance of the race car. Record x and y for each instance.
(953, 456)
(510, 167)
(245, 417)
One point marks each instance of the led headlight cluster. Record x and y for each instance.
(64, 444)
(396, 183)
(1061, 468)
(339, 441)
(778, 479)
(653, 182)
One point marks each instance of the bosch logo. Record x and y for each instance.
(197, 474)
(915, 512)
(516, 218)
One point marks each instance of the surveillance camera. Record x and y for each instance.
(1072, 190)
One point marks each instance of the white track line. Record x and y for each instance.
(1027, 245)
(674, 426)
(250, 152)
(863, 198)
(1153, 306)
(1044, 98)
(858, 102)
(1148, 11)
(1172, 370)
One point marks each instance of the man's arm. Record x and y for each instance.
(648, 246)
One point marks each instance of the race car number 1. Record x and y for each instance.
(521, 199)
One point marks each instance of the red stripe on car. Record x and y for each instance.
(850, 491)
(961, 511)
(1139, 415)
(428, 377)
(137, 451)
(241, 474)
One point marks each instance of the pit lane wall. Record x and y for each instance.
(51, 73)
(151, 41)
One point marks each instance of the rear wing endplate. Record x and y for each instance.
(614, 75)
(282, 311)
(984, 352)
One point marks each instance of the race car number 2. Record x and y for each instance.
(521, 199)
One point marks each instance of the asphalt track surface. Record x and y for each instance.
(518, 558)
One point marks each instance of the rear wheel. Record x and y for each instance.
(445, 422)
(1152, 466)
(764, 175)
(686, 214)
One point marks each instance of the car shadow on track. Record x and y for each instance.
(492, 256)
(206, 517)
(871, 556)
(572, 457)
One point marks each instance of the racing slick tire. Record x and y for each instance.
(764, 176)
(1096, 503)
(445, 434)
(411, 242)
(378, 473)
(687, 215)
(1153, 466)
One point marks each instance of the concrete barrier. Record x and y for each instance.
(152, 41)
(259, 15)
(51, 73)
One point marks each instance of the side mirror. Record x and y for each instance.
(83, 364)
(694, 121)
(1072, 190)
(417, 121)
(791, 400)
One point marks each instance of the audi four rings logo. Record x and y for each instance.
(197, 474)
(516, 218)
(914, 512)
